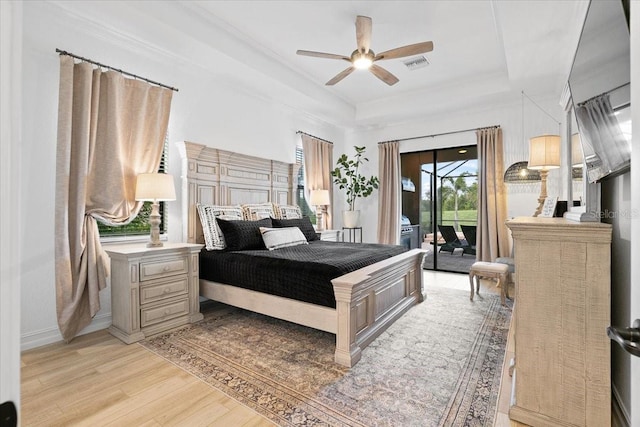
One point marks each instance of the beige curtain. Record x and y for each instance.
(389, 193)
(492, 237)
(318, 162)
(110, 129)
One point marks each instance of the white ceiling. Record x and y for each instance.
(483, 50)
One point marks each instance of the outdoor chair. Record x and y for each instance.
(469, 232)
(450, 237)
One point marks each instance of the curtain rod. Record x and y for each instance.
(438, 134)
(603, 93)
(312, 136)
(63, 52)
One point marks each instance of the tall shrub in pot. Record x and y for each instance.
(347, 177)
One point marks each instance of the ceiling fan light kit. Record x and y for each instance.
(363, 57)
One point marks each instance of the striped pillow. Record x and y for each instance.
(276, 238)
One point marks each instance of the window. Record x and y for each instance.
(300, 200)
(139, 226)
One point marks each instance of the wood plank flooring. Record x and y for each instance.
(96, 380)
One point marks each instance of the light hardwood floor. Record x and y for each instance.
(96, 380)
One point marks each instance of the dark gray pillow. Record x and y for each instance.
(304, 224)
(243, 235)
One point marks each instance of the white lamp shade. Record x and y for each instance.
(155, 186)
(319, 198)
(544, 152)
(577, 158)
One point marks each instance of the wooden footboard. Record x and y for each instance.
(372, 298)
(367, 302)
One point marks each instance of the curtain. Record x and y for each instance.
(389, 193)
(318, 162)
(599, 126)
(110, 129)
(492, 236)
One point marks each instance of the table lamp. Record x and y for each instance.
(319, 199)
(544, 154)
(155, 187)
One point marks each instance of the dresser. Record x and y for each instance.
(153, 289)
(562, 310)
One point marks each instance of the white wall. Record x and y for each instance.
(522, 199)
(209, 108)
(10, 213)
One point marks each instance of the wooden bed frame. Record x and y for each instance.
(367, 300)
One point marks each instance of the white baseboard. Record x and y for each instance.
(52, 335)
(619, 414)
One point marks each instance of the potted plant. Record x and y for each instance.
(347, 177)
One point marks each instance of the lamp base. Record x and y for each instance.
(543, 191)
(154, 222)
(319, 219)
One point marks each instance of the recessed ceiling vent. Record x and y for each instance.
(416, 62)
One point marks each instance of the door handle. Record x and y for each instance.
(627, 338)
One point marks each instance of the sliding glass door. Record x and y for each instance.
(446, 204)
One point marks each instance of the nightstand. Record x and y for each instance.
(330, 235)
(153, 289)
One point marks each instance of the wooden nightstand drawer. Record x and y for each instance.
(157, 269)
(157, 314)
(151, 292)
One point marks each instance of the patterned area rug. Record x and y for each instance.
(438, 365)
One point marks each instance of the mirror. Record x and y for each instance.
(600, 89)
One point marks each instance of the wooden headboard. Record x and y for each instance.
(219, 177)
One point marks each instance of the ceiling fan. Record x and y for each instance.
(363, 57)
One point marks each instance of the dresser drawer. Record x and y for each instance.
(163, 268)
(156, 291)
(152, 315)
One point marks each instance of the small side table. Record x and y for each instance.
(353, 234)
(330, 235)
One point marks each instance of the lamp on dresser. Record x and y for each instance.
(155, 187)
(544, 155)
(319, 199)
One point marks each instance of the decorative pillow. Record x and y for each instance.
(288, 212)
(304, 224)
(276, 238)
(258, 211)
(213, 238)
(243, 235)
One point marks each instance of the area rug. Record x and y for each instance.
(438, 365)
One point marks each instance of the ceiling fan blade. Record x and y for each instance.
(383, 75)
(409, 50)
(322, 55)
(341, 75)
(363, 33)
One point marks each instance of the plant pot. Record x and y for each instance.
(351, 219)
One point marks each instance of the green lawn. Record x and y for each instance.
(464, 217)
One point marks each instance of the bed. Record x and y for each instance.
(367, 300)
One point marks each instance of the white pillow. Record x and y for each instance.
(213, 237)
(276, 238)
(255, 212)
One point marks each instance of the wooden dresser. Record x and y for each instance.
(562, 309)
(153, 289)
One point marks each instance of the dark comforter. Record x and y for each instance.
(301, 272)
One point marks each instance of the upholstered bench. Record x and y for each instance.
(490, 270)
